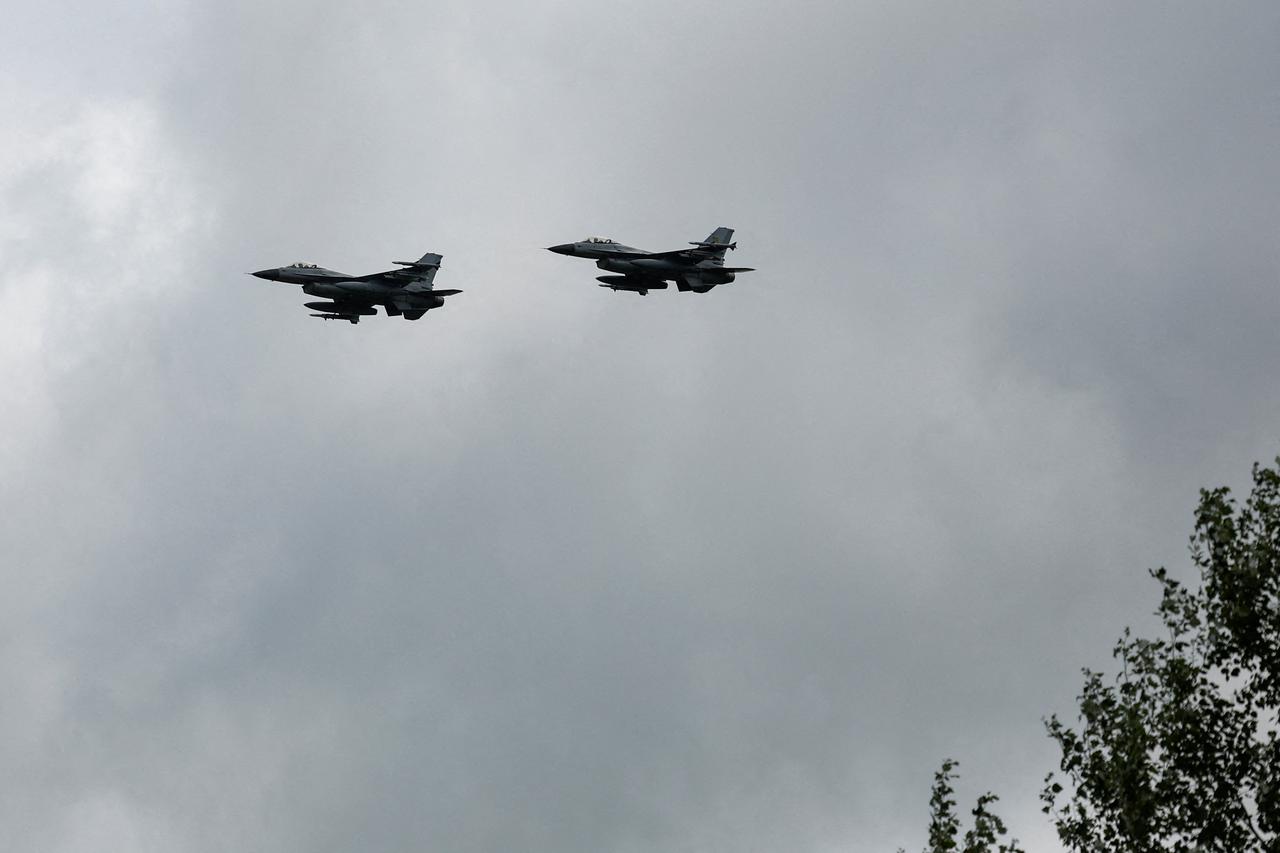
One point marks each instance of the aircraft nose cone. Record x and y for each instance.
(269, 275)
(562, 249)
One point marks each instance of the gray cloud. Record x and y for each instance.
(556, 569)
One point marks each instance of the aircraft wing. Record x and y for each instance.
(692, 256)
(420, 273)
(710, 249)
(400, 277)
(696, 255)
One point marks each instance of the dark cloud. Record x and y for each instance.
(559, 569)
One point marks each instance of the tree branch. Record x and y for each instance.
(1248, 820)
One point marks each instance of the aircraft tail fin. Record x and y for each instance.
(720, 237)
(718, 241)
(419, 274)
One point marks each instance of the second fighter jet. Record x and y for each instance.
(698, 269)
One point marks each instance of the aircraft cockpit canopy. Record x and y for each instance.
(302, 265)
(598, 240)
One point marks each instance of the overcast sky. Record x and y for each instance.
(559, 569)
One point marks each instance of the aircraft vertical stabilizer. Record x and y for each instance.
(719, 237)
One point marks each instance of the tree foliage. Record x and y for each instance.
(1179, 750)
(944, 824)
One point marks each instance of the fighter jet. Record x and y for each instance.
(407, 292)
(698, 269)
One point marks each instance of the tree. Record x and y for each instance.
(944, 826)
(1179, 750)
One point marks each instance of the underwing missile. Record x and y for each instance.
(333, 307)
